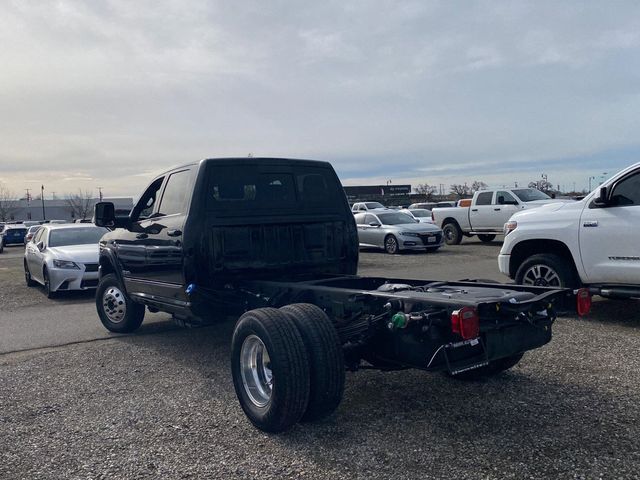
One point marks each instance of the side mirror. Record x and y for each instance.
(501, 200)
(104, 215)
(602, 199)
(40, 246)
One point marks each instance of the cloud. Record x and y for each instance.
(109, 92)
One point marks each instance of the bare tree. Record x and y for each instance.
(478, 185)
(427, 190)
(460, 191)
(8, 203)
(80, 204)
(542, 185)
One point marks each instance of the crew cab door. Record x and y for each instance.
(481, 212)
(504, 206)
(609, 236)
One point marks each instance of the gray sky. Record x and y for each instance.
(108, 93)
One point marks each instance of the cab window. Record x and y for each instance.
(505, 198)
(147, 203)
(174, 198)
(484, 198)
(627, 192)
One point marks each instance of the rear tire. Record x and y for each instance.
(494, 368)
(486, 238)
(391, 245)
(326, 361)
(270, 369)
(452, 234)
(117, 312)
(547, 270)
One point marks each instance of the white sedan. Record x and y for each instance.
(420, 214)
(63, 257)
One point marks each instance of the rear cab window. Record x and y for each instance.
(484, 198)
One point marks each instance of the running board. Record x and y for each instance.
(621, 291)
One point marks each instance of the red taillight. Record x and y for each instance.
(466, 323)
(583, 302)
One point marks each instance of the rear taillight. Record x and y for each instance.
(583, 302)
(466, 323)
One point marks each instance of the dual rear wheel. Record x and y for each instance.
(287, 366)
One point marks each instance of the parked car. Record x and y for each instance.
(396, 231)
(422, 215)
(63, 257)
(366, 206)
(592, 242)
(489, 211)
(30, 233)
(432, 205)
(13, 234)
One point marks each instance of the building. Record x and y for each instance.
(369, 192)
(58, 209)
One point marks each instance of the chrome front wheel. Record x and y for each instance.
(114, 304)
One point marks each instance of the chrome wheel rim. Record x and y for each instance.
(392, 245)
(541, 276)
(255, 368)
(114, 305)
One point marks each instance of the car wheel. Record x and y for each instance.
(27, 276)
(452, 234)
(391, 244)
(486, 238)
(270, 369)
(47, 284)
(494, 368)
(326, 361)
(117, 312)
(546, 270)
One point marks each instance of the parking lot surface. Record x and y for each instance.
(78, 402)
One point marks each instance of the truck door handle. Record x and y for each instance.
(474, 209)
(174, 233)
(141, 236)
(496, 209)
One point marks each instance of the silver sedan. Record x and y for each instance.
(63, 257)
(396, 231)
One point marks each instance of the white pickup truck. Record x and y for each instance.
(594, 242)
(489, 211)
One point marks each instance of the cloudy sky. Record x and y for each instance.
(106, 93)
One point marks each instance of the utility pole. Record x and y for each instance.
(44, 217)
(28, 204)
(100, 193)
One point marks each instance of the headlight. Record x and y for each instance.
(65, 264)
(409, 234)
(510, 226)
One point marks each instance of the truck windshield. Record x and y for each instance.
(76, 236)
(395, 218)
(530, 194)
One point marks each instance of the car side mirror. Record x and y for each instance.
(40, 246)
(602, 199)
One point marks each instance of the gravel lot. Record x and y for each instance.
(160, 404)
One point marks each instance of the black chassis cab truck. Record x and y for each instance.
(273, 242)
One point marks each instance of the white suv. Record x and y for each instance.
(594, 242)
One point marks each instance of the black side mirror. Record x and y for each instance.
(104, 214)
(602, 199)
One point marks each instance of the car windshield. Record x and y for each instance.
(373, 205)
(395, 218)
(530, 194)
(75, 236)
(421, 213)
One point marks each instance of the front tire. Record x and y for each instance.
(270, 369)
(546, 270)
(494, 368)
(117, 312)
(47, 284)
(486, 238)
(391, 244)
(326, 361)
(452, 234)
